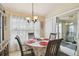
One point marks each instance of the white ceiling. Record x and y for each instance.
(42, 9)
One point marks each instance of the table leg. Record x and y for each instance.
(39, 51)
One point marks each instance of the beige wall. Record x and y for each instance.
(42, 24)
(78, 33)
(6, 26)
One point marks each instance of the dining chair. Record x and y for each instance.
(53, 47)
(31, 35)
(52, 36)
(24, 52)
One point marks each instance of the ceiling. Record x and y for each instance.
(40, 9)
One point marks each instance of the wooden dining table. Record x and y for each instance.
(39, 45)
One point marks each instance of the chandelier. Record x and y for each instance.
(32, 18)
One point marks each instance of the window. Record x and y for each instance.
(20, 26)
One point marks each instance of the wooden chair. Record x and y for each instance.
(21, 48)
(53, 47)
(52, 36)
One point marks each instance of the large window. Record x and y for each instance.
(20, 26)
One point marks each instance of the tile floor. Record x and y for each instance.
(16, 53)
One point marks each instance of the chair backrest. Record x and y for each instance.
(53, 47)
(20, 45)
(31, 35)
(52, 36)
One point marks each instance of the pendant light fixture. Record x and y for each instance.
(32, 18)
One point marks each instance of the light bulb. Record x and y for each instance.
(28, 18)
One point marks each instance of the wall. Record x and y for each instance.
(50, 26)
(78, 33)
(6, 27)
(42, 24)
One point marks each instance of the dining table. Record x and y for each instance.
(39, 45)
